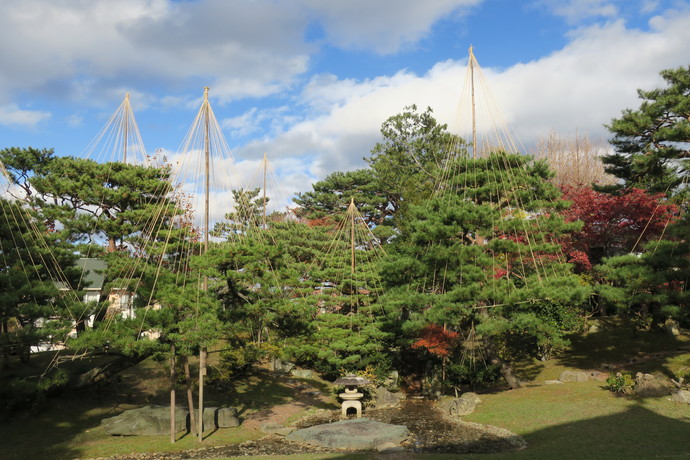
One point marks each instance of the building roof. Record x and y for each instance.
(94, 272)
(93, 276)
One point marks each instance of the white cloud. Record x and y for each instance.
(380, 25)
(649, 6)
(75, 49)
(574, 11)
(78, 49)
(244, 124)
(594, 78)
(74, 120)
(11, 114)
(581, 87)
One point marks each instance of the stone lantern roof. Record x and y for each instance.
(351, 380)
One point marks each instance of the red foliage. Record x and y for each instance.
(613, 223)
(321, 222)
(580, 259)
(500, 273)
(436, 340)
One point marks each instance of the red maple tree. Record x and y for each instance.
(613, 223)
(436, 340)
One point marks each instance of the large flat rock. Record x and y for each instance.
(145, 421)
(355, 434)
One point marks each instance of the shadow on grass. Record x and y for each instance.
(618, 346)
(528, 370)
(57, 429)
(49, 434)
(634, 433)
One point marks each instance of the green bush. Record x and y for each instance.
(620, 383)
(235, 362)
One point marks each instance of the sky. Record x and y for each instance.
(309, 82)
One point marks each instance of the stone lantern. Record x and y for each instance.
(351, 397)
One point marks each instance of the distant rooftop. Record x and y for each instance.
(93, 276)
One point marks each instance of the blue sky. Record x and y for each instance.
(309, 82)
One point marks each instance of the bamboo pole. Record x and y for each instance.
(172, 393)
(474, 118)
(351, 212)
(265, 168)
(207, 170)
(126, 126)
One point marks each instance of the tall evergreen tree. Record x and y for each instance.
(414, 149)
(89, 201)
(486, 253)
(247, 214)
(333, 194)
(652, 143)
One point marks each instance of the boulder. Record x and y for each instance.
(282, 367)
(302, 373)
(444, 403)
(671, 327)
(464, 405)
(573, 376)
(145, 421)
(226, 417)
(384, 398)
(220, 417)
(681, 396)
(392, 381)
(648, 385)
(553, 382)
(354, 434)
(209, 418)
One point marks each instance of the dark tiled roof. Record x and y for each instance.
(93, 273)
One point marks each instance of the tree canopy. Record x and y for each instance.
(652, 143)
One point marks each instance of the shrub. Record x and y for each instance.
(620, 383)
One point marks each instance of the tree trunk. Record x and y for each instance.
(505, 368)
(190, 396)
(4, 353)
(511, 379)
(24, 353)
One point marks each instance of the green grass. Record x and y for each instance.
(573, 420)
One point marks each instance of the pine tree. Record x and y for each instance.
(652, 287)
(486, 253)
(33, 265)
(652, 142)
